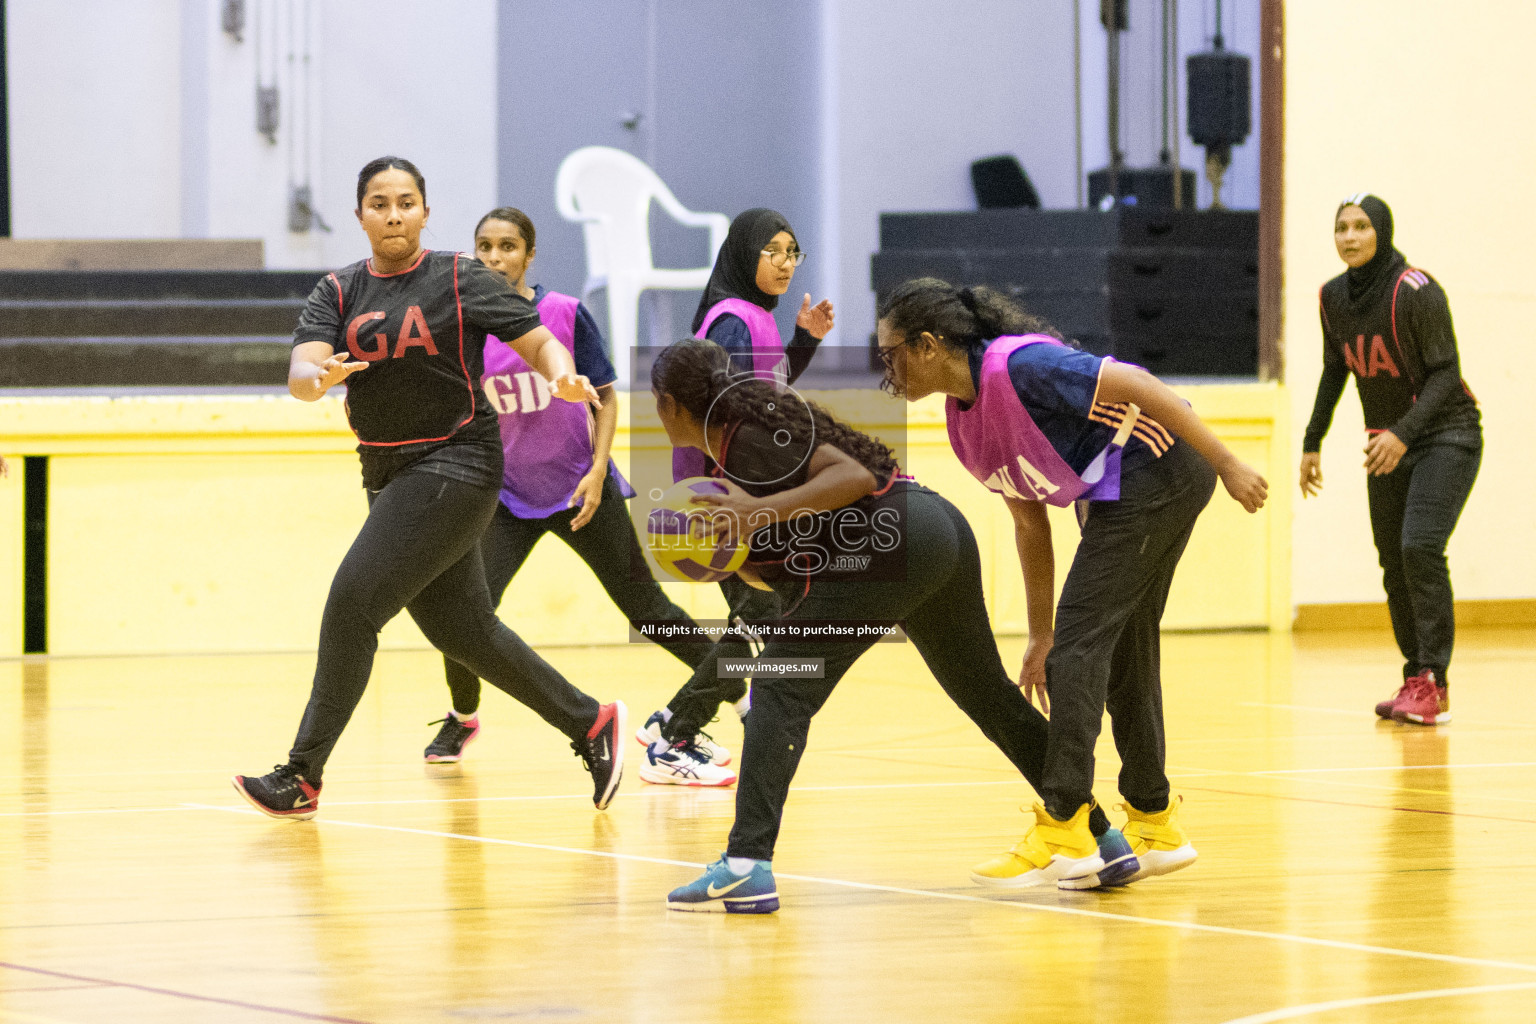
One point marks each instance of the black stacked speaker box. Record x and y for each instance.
(1174, 291)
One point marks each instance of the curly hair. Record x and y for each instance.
(961, 318)
(697, 374)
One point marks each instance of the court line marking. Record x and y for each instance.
(1370, 714)
(1304, 940)
(1292, 1012)
(1184, 773)
(1391, 768)
(154, 990)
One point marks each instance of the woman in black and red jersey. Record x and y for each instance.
(1389, 324)
(406, 329)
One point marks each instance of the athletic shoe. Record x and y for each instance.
(602, 753)
(649, 734)
(1160, 843)
(452, 738)
(683, 764)
(1050, 851)
(282, 793)
(1425, 703)
(721, 890)
(1119, 865)
(1384, 708)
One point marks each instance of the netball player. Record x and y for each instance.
(560, 480)
(1038, 421)
(756, 264)
(1389, 324)
(830, 488)
(406, 329)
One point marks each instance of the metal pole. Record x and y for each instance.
(1077, 93)
(1178, 163)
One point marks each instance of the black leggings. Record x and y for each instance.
(419, 550)
(1106, 652)
(941, 606)
(607, 544)
(1414, 508)
(696, 704)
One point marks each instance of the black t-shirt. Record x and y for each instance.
(422, 332)
(1401, 349)
(861, 541)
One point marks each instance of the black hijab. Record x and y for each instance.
(735, 273)
(1367, 283)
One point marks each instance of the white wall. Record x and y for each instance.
(95, 136)
(156, 92)
(1432, 140)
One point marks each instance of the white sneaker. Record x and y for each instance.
(683, 764)
(650, 733)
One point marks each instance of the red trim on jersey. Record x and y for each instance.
(369, 264)
(1398, 344)
(459, 304)
(337, 282)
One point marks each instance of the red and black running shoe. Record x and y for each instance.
(282, 793)
(602, 753)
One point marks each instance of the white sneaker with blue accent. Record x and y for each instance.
(721, 890)
(650, 733)
(683, 764)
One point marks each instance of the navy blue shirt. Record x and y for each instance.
(1057, 386)
(731, 333)
(591, 354)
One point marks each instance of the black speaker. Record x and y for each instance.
(1220, 98)
(1000, 183)
(1152, 187)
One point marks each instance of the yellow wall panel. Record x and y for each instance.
(216, 524)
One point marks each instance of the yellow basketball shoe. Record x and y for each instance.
(1159, 841)
(1051, 850)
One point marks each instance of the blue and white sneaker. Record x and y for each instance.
(683, 764)
(1120, 864)
(721, 890)
(650, 733)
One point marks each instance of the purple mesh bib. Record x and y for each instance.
(768, 363)
(546, 443)
(1003, 448)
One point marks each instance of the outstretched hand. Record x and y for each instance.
(818, 319)
(573, 387)
(333, 370)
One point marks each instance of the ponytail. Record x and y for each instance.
(697, 374)
(962, 318)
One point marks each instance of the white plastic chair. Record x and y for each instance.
(609, 192)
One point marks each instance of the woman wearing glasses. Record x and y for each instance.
(754, 267)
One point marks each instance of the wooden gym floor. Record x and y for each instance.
(1350, 870)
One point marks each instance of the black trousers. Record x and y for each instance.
(419, 550)
(1106, 652)
(696, 704)
(1414, 509)
(609, 547)
(945, 616)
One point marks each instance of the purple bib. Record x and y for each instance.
(1003, 448)
(768, 363)
(546, 443)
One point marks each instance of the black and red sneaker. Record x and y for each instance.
(602, 753)
(452, 738)
(282, 793)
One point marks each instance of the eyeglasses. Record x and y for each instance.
(887, 356)
(794, 257)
